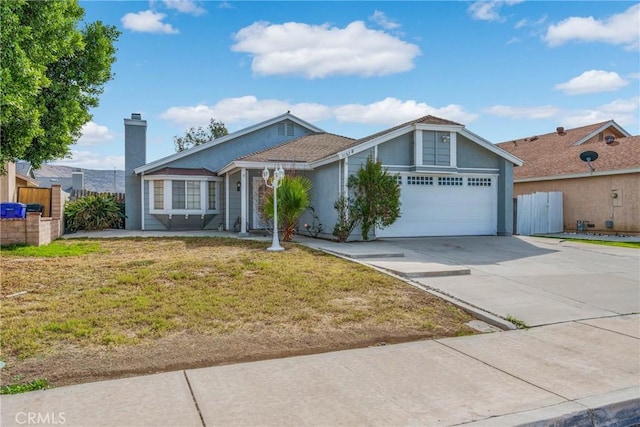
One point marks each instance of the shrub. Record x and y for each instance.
(376, 197)
(97, 212)
(347, 218)
(293, 200)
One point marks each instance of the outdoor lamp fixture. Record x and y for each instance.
(278, 174)
(445, 138)
(238, 186)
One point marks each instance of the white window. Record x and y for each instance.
(185, 195)
(479, 182)
(419, 180)
(212, 195)
(450, 180)
(158, 194)
(181, 196)
(436, 148)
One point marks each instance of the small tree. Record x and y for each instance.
(293, 200)
(347, 218)
(198, 136)
(376, 197)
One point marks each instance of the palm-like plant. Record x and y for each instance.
(293, 200)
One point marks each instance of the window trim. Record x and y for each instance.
(168, 194)
(419, 148)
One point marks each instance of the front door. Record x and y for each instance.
(259, 194)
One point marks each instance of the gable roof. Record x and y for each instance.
(158, 163)
(557, 154)
(426, 122)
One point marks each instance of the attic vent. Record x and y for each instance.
(560, 131)
(289, 129)
(532, 138)
(281, 129)
(600, 136)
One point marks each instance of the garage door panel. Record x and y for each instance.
(445, 210)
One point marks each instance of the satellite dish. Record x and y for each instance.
(589, 156)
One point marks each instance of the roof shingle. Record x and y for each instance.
(555, 154)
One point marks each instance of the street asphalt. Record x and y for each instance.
(578, 364)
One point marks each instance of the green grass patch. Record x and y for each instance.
(58, 248)
(40, 384)
(520, 324)
(634, 245)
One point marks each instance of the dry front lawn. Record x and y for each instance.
(85, 310)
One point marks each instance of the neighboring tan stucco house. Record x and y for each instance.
(605, 193)
(16, 175)
(453, 182)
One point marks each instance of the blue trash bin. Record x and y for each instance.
(13, 210)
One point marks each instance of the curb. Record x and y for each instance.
(620, 408)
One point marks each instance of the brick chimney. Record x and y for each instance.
(135, 155)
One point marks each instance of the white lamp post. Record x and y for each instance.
(278, 174)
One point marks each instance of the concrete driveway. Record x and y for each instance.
(536, 280)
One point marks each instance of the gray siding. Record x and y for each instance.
(357, 161)
(505, 198)
(398, 151)
(234, 199)
(471, 155)
(218, 156)
(151, 222)
(326, 188)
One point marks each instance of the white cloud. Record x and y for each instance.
(185, 6)
(620, 29)
(383, 21)
(242, 111)
(92, 160)
(93, 133)
(247, 110)
(593, 81)
(539, 112)
(147, 21)
(489, 10)
(316, 51)
(226, 5)
(392, 111)
(623, 111)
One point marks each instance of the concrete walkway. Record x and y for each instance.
(575, 373)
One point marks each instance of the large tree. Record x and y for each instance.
(51, 73)
(198, 135)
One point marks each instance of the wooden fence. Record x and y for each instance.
(79, 194)
(539, 213)
(33, 195)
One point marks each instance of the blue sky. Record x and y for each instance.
(504, 69)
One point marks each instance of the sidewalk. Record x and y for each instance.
(575, 373)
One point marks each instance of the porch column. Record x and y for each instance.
(417, 142)
(243, 201)
(226, 201)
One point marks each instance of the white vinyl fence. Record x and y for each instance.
(539, 213)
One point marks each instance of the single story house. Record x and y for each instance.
(602, 194)
(453, 182)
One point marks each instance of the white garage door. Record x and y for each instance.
(445, 206)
